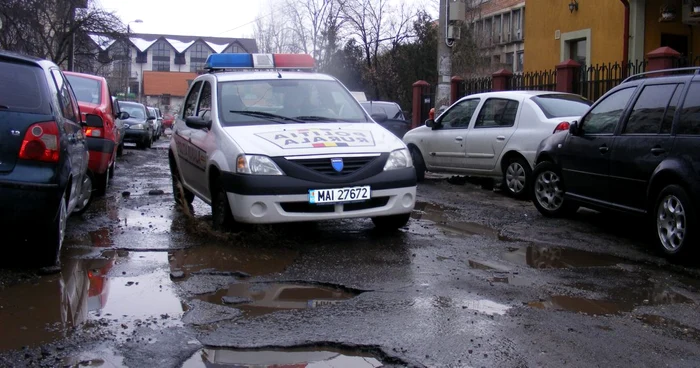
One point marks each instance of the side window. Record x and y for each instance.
(648, 112)
(689, 123)
(603, 118)
(667, 124)
(204, 101)
(497, 113)
(191, 102)
(459, 116)
(68, 106)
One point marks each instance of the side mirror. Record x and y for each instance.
(195, 122)
(574, 128)
(123, 115)
(93, 121)
(379, 117)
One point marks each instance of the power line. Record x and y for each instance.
(243, 25)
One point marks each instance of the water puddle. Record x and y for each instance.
(103, 357)
(255, 299)
(484, 306)
(438, 215)
(674, 326)
(621, 300)
(542, 257)
(87, 290)
(292, 358)
(487, 266)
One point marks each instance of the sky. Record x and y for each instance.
(213, 18)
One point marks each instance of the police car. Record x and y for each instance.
(264, 139)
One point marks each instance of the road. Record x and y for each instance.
(476, 280)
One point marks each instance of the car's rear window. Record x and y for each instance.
(22, 88)
(86, 89)
(561, 105)
(136, 111)
(391, 111)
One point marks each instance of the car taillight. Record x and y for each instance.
(564, 125)
(94, 132)
(41, 143)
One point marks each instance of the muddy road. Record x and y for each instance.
(476, 280)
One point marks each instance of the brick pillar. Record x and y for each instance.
(501, 79)
(454, 88)
(417, 102)
(662, 58)
(567, 72)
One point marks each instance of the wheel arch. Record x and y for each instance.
(668, 173)
(506, 157)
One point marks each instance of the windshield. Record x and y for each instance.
(306, 100)
(86, 89)
(391, 110)
(135, 111)
(557, 106)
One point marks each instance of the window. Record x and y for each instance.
(690, 114)
(510, 59)
(204, 100)
(648, 111)
(191, 102)
(577, 50)
(497, 28)
(141, 57)
(603, 119)
(28, 88)
(161, 56)
(459, 116)
(497, 113)
(68, 108)
(667, 125)
(180, 58)
(520, 61)
(236, 49)
(516, 20)
(562, 105)
(198, 56)
(86, 89)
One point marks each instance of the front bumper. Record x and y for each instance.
(137, 136)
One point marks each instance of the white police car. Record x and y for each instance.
(264, 139)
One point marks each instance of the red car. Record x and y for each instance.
(168, 120)
(103, 136)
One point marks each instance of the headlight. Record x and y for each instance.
(136, 126)
(399, 159)
(256, 165)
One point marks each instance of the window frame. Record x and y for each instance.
(623, 115)
(508, 101)
(679, 109)
(69, 105)
(444, 114)
(636, 98)
(158, 51)
(196, 88)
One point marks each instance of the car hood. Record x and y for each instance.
(131, 121)
(314, 138)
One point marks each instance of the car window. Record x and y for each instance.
(689, 122)
(134, 111)
(648, 111)
(392, 111)
(605, 116)
(497, 112)
(204, 105)
(561, 105)
(86, 89)
(667, 124)
(151, 112)
(68, 108)
(191, 102)
(460, 115)
(27, 92)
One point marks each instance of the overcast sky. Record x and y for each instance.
(218, 18)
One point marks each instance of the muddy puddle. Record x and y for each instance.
(256, 299)
(542, 257)
(292, 357)
(89, 292)
(440, 217)
(485, 306)
(674, 327)
(619, 300)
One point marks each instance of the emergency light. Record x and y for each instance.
(259, 61)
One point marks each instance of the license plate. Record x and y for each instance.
(339, 195)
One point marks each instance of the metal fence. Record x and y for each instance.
(545, 80)
(595, 80)
(474, 85)
(687, 61)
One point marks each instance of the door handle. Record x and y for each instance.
(501, 138)
(604, 149)
(657, 151)
(459, 139)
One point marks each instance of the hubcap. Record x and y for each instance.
(85, 193)
(670, 223)
(62, 216)
(548, 191)
(515, 177)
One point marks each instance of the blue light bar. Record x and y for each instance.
(225, 61)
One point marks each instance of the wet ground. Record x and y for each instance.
(477, 279)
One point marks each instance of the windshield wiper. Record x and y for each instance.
(262, 114)
(320, 118)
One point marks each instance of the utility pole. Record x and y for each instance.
(450, 11)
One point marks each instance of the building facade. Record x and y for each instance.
(592, 31)
(499, 32)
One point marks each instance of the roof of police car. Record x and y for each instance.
(231, 76)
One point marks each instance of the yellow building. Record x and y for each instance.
(592, 31)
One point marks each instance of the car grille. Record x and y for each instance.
(323, 165)
(306, 207)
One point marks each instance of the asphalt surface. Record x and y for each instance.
(476, 280)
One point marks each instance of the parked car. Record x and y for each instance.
(157, 122)
(634, 151)
(139, 127)
(43, 154)
(493, 135)
(119, 122)
(389, 115)
(102, 134)
(168, 120)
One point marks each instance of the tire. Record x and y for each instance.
(55, 234)
(674, 221)
(149, 143)
(517, 177)
(418, 163)
(182, 196)
(111, 169)
(100, 183)
(391, 223)
(87, 192)
(120, 149)
(546, 187)
(222, 218)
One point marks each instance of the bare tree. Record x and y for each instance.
(271, 34)
(316, 24)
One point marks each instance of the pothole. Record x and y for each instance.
(437, 215)
(291, 357)
(670, 325)
(541, 257)
(255, 299)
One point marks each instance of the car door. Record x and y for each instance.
(490, 133)
(444, 146)
(189, 169)
(202, 140)
(644, 142)
(585, 156)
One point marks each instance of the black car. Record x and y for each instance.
(43, 155)
(389, 115)
(139, 127)
(636, 150)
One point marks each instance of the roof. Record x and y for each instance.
(143, 41)
(166, 83)
(265, 75)
(513, 94)
(26, 59)
(83, 75)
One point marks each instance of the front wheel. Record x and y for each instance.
(391, 223)
(517, 177)
(222, 218)
(120, 149)
(418, 163)
(675, 217)
(548, 191)
(183, 197)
